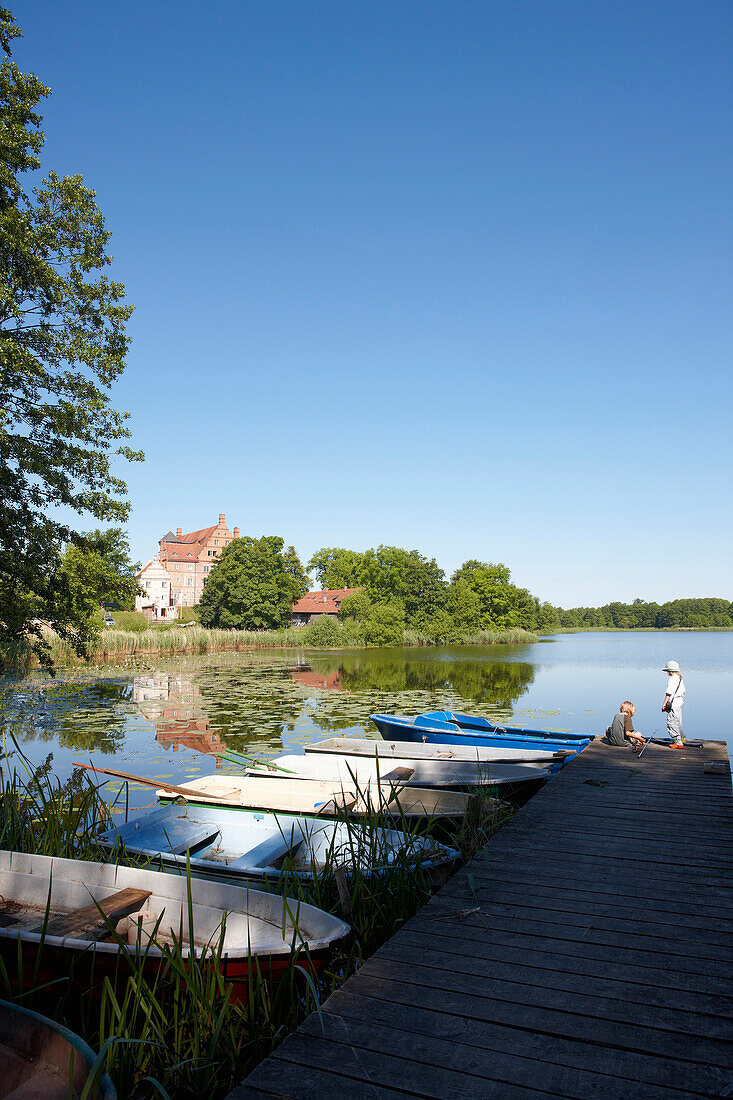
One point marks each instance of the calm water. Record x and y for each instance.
(160, 719)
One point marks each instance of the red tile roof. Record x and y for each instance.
(325, 602)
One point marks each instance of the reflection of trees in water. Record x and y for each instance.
(84, 716)
(497, 683)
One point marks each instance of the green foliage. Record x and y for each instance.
(323, 630)
(62, 346)
(336, 568)
(251, 586)
(98, 571)
(296, 574)
(385, 625)
(707, 613)
(356, 607)
(501, 605)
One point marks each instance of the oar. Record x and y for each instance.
(185, 791)
(252, 761)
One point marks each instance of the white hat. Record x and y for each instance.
(671, 666)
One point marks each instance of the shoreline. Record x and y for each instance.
(174, 641)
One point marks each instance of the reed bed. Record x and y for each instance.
(112, 644)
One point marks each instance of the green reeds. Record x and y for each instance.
(114, 644)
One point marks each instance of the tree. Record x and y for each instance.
(298, 577)
(98, 570)
(390, 573)
(62, 345)
(385, 625)
(250, 586)
(336, 568)
(502, 604)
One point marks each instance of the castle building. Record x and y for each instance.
(189, 559)
(157, 603)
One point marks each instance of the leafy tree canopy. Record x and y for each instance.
(98, 570)
(336, 568)
(251, 586)
(501, 605)
(62, 346)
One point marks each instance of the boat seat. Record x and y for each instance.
(174, 836)
(92, 922)
(269, 851)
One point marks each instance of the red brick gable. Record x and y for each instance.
(325, 602)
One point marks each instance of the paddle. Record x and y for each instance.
(184, 791)
(251, 761)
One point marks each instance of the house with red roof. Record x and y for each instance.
(189, 558)
(326, 602)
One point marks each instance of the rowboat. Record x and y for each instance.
(420, 751)
(404, 727)
(474, 722)
(357, 768)
(84, 917)
(42, 1059)
(322, 799)
(240, 846)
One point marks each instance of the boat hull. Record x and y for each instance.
(262, 932)
(404, 728)
(243, 847)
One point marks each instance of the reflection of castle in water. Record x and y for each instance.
(172, 704)
(330, 681)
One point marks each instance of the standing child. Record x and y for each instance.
(672, 704)
(621, 730)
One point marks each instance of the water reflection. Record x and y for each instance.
(83, 716)
(261, 702)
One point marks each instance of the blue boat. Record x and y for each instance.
(473, 722)
(434, 730)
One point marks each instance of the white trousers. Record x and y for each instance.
(674, 724)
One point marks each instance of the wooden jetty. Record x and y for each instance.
(586, 952)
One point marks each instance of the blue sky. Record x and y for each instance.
(451, 276)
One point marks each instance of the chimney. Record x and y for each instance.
(179, 532)
(236, 533)
(222, 519)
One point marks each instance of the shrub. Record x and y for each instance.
(323, 630)
(385, 624)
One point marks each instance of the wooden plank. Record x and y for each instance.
(383, 1070)
(89, 923)
(524, 986)
(545, 1050)
(677, 952)
(696, 975)
(676, 1071)
(503, 888)
(289, 1081)
(571, 906)
(431, 1048)
(566, 1025)
(550, 968)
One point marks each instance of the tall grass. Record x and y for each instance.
(113, 644)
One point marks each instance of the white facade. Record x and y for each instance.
(157, 601)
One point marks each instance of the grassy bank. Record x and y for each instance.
(169, 641)
(177, 1034)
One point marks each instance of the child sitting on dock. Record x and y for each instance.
(621, 730)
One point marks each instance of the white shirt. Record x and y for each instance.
(672, 685)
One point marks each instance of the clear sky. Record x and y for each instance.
(451, 276)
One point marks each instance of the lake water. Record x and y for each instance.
(160, 718)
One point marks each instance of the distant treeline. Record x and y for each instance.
(709, 613)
